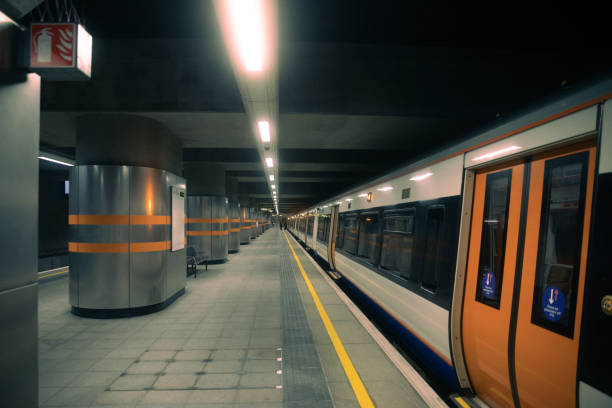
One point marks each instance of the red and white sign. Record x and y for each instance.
(53, 45)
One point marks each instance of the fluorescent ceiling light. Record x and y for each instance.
(349, 199)
(273, 186)
(56, 161)
(264, 130)
(363, 195)
(496, 153)
(247, 24)
(6, 19)
(271, 177)
(421, 177)
(387, 188)
(338, 202)
(269, 162)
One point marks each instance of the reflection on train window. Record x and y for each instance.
(310, 225)
(350, 234)
(340, 233)
(431, 266)
(561, 228)
(368, 237)
(323, 228)
(493, 239)
(398, 243)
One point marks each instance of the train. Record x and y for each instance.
(490, 259)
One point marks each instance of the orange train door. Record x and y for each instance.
(525, 278)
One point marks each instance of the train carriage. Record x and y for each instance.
(490, 260)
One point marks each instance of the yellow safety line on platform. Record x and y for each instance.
(461, 402)
(53, 274)
(358, 388)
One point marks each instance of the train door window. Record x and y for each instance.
(350, 234)
(493, 239)
(431, 266)
(560, 242)
(398, 242)
(368, 237)
(340, 233)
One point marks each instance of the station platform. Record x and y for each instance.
(266, 329)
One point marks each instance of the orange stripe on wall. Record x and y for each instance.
(234, 220)
(149, 246)
(206, 233)
(98, 247)
(204, 220)
(234, 229)
(150, 219)
(103, 248)
(109, 219)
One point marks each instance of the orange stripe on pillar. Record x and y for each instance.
(206, 233)
(204, 220)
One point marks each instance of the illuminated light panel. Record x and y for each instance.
(56, 161)
(247, 25)
(387, 188)
(363, 195)
(271, 177)
(349, 199)
(421, 177)
(6, 19)
(273, 186)
(264, 130)
(496, 153)
(269, 162)
(338, 202)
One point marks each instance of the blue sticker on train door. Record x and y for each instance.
(488, 285)
(553, 303)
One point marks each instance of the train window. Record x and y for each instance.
(493, 239)
(310, 225)
(340, 233)
(561, 229)
(398, 243)
(431, 266)
(350, 234)
(368, 237)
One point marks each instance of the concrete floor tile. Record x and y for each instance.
(262, 366)
(212, 396)
(99, 378)
(175, 381)
(195, 355)
(44, 393)
(217, 381)
(157, 355)
(223, 366)
(119, 397)
(57, 378)
(112, 364)
(122, 352)
(135, 382)
(74, 365)
(260, 380)
(269, 353)
(147, 367)
(167, 344)
(185, 367)
(259, 395)
(166, 397)
(228, 354)
(79, 396)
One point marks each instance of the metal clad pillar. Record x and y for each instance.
(233, 241)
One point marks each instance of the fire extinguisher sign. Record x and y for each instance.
(52, 45)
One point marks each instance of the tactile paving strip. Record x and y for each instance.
(303, 380)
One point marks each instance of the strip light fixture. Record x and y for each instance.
(271, 177)
(387, 188)
(56, 161)
(248, 29)
(269, 162)
(421, 177)
(264, 130)
(496, 153)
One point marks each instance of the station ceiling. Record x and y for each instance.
(364, 86)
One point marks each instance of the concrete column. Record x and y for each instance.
(120, 216)
(19, 130)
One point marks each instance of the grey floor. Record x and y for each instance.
(219, 345)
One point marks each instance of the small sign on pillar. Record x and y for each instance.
(60, 51)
